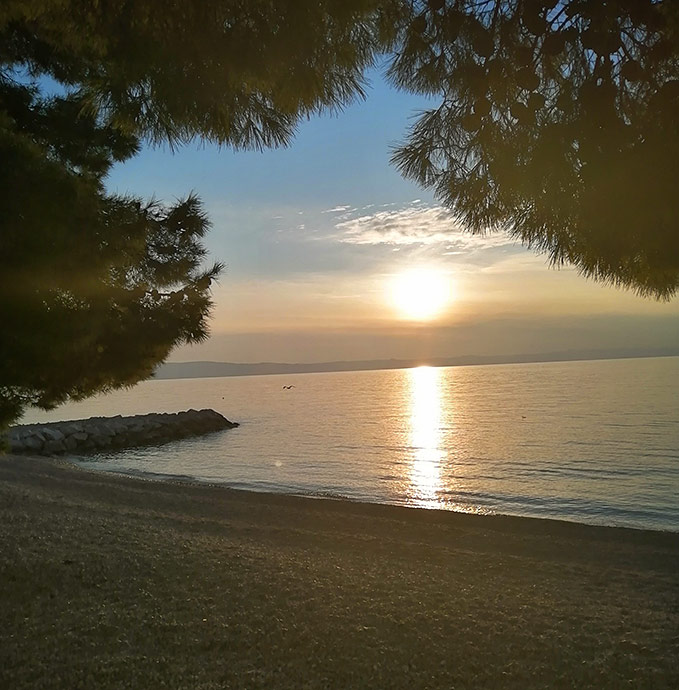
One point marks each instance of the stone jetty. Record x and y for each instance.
(107, 433)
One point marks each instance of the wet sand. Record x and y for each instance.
(112, 582)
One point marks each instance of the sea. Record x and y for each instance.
(588, 441)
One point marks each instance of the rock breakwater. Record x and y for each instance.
(105, 433)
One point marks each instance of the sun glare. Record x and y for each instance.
(421, 294)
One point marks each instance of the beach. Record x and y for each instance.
(111, 581)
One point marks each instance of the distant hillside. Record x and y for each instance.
(188, 370)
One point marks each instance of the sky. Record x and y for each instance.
(332, 255)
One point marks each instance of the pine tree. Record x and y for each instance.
(96, 289)
(557, 123)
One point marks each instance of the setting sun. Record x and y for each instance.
(420, 294)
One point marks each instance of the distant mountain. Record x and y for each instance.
(190, 370)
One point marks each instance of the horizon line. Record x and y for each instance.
(254, 368)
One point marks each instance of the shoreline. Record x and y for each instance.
(130, 581)
(192, 480)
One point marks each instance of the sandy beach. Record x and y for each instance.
(116, 582)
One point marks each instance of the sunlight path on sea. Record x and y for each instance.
(425, 435)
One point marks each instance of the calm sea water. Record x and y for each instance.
(594, 441)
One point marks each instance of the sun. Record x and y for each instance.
(421, 294)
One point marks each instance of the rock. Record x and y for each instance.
(99, 433)
(52, 434)
(71, 428)
(102, 441)
(54, 447)
(16, 445)
(32, 443)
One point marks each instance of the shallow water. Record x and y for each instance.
(594, 441)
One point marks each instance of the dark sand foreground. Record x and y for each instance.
(110, 582)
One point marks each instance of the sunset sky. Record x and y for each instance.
(316, 237)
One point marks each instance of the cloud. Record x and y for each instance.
(337, 209)
(416, 225)
(276, 241)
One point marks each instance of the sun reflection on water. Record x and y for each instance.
(425, 435)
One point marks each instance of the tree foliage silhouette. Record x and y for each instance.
(96, 289)
(557, 123)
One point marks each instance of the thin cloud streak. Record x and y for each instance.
(338, 209)
(416, 225)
